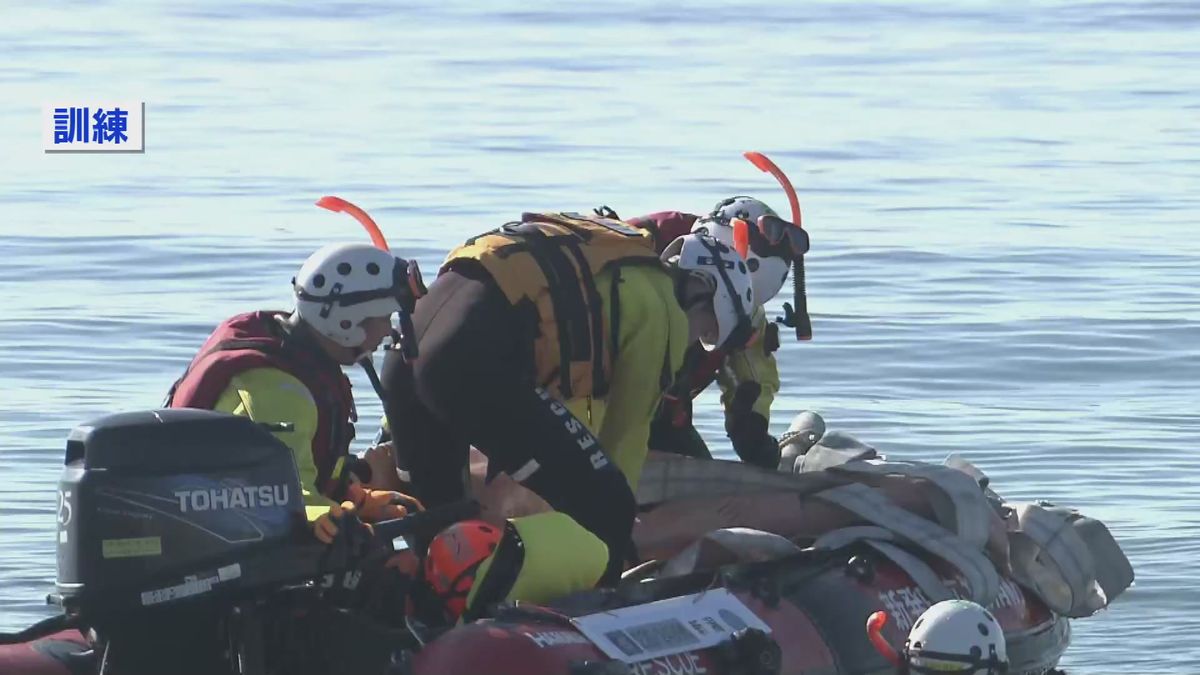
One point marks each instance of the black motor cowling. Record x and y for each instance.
(164, 506)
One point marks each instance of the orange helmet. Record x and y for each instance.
(455, 554)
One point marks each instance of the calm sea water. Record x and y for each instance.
(1002, 198)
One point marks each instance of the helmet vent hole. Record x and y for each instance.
(345, 324)
(983, 629)
(749, 295)
(753, 265)
(319, 281)
(343, 268)
(372, 268)
(976, 652)
(741, 267)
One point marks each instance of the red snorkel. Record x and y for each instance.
(875, 624)
(342, 206)
(798, 317)
(741, 236)
(764, 164)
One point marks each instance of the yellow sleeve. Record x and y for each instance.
(652, 336)
(752, 364)
(272, 396)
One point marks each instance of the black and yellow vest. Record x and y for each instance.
(546, 265)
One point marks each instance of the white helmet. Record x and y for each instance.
(342, 284)
(724, 271)
(956, 636)
(746, 208)
(767, 273)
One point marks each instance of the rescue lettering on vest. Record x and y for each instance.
(583, 438)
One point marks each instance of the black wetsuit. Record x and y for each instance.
(472, 384)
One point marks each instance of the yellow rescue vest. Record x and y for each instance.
(546, 266)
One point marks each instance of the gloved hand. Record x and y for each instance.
(376, 505)
(748, 429)
(760, 450)
(326, 526)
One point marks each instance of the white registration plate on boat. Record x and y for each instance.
(671, 626)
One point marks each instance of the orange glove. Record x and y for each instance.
(325, 527)
(376, 505)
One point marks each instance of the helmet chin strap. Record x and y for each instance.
(364, 359)
(368, 365)
(700, 318)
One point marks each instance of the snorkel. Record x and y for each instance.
(875, 624)
(798, 317)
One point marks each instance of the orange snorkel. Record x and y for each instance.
(764, 164)
(741, 236)
(342, 206)
(797, 318)
(875, 624)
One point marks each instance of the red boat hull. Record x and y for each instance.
(57, 654)
(816, 612)
(819, 625)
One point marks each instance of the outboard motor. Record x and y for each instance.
(168, 522)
